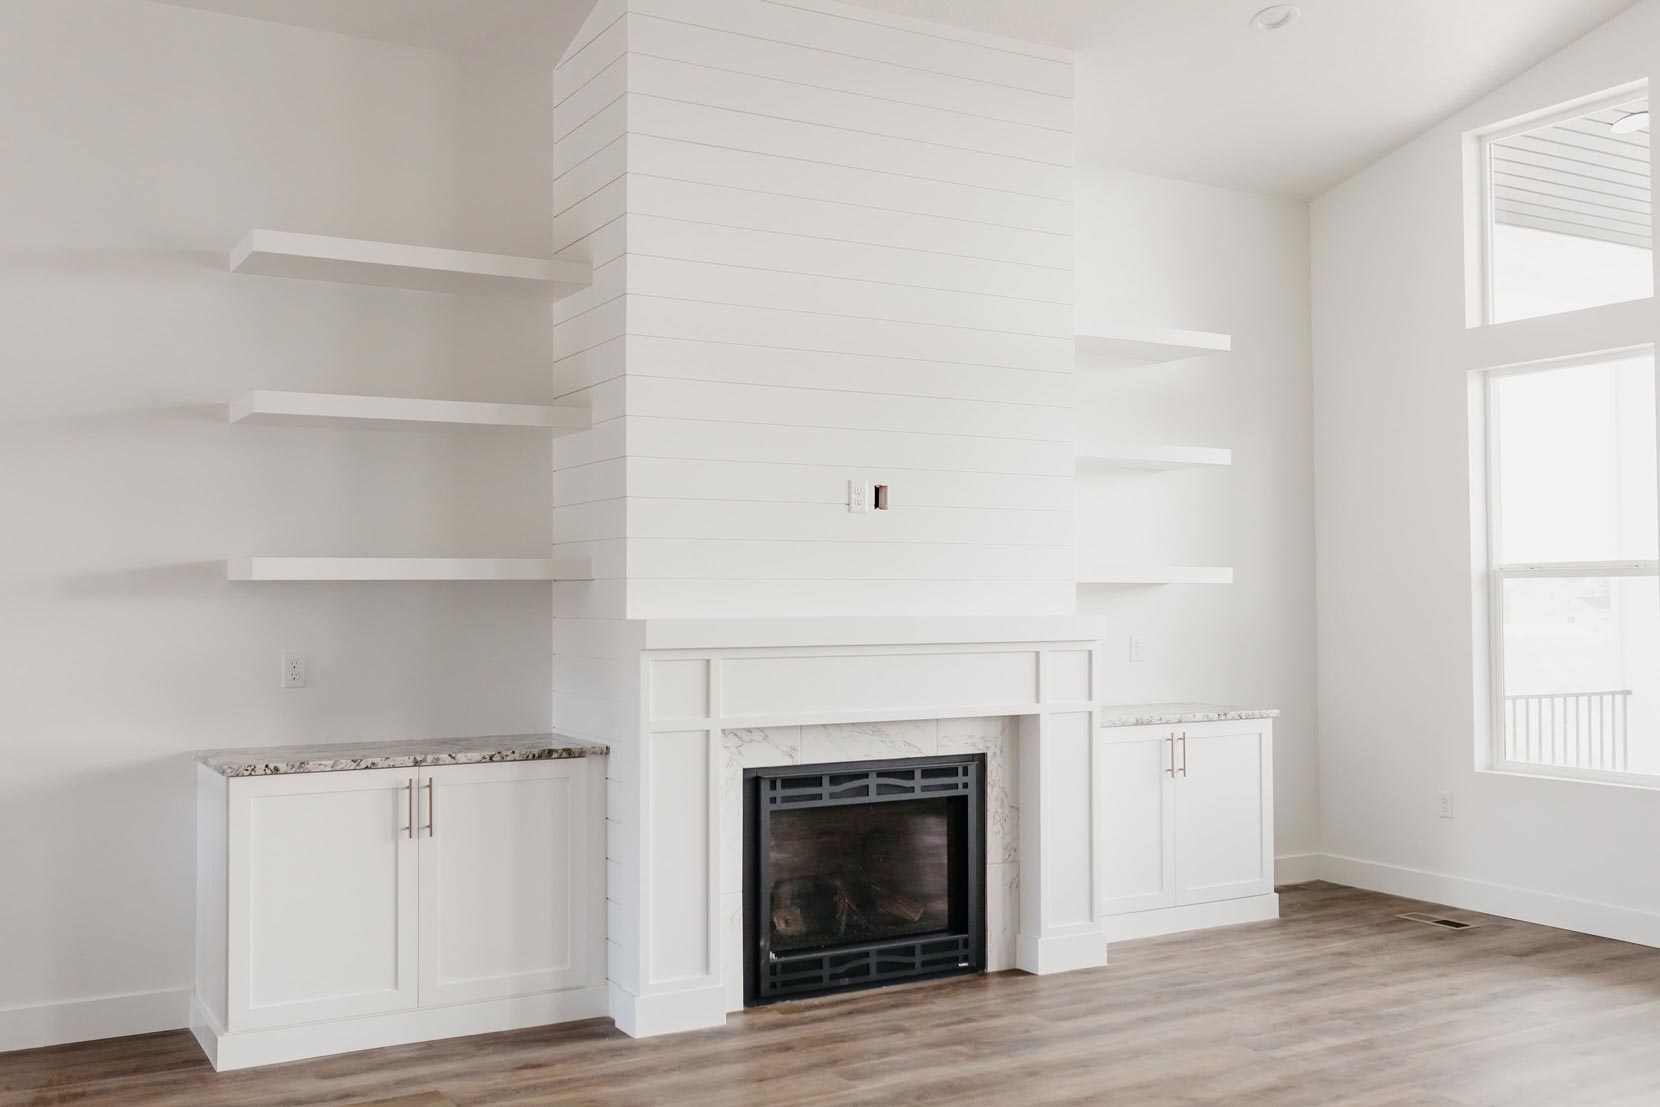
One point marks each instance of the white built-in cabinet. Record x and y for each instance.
(369, 907)
(1186, 826)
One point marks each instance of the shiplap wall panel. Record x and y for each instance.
(831, 245)
(679, 159)
(840, 220)
(819, 67)
(773, 483)
(828, 370)
(788, 252)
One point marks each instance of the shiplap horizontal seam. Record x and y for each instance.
(845, 241)
(853, 391)
(597, 35)
(766, 581)
(846, 203)
(804, 350)
(842, 165)
(622, 57)
(850, 92)
(594, 307)
(959, 40)
(601, 188)
(835, 427)
(878, 540)
(605, 108)
(635, 456)
(909, 503)
(590, 234)
(622, 134)
(842, 277)
(866, 318)
(852, 130)
(858, 57)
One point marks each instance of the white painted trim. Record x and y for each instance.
(292, 1043)
(1196, 916)
(1086, 949)
(85, 1020)
(667, 1012)
(1605, 920)
(1296, 868)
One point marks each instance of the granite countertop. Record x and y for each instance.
(395, 754)
(1162, 714)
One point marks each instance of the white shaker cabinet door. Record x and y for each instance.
(1136, 805)
(321, 896)
(504, 879)
(1224, 813)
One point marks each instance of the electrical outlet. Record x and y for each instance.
(1138, 648)
(858, 497)
(293, 670)
(1446, 805)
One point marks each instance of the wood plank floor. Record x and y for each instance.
(1337, 1004)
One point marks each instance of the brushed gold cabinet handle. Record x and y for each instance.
(1172, 769)
(411, 808)
(431, 794)
(1184, 753)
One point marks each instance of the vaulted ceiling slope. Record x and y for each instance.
(1186, 89)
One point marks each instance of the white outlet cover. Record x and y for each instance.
(293, 670)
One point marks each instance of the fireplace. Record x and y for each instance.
(862, 874)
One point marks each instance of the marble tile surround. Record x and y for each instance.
(766, 747)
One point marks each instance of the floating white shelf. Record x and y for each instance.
(320, 257)
(1133, 343)
(1154, 574)
(1152, 457)
(329, 409)
(407, 568)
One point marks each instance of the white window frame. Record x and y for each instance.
(1484, 140)
(1499, 571)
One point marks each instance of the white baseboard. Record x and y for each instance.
(1197, 916)
(1605, 920)
(85, 1020)
(248, 1048)
(1084, 948)
(647, 1016)
(1296, 868)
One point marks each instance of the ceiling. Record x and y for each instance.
(1184, 88)
(1177, 88)
(460, 26)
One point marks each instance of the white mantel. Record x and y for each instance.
(677, 687)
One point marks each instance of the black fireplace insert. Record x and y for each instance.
(860, 874)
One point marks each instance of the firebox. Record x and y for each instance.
(861, 874)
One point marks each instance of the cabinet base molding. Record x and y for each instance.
(1084, 949)
(227, 1051)
(647, 1016)
(1197, 916)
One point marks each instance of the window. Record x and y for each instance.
(1567, 203)
(1574, 546)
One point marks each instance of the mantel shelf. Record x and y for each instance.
(407, 568)
(395, 265)
(1152, 457)
(1155, 574)
(330, 409)
(1128, 342)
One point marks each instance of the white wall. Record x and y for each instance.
(141, 141)
(1400, 659)
(1168, 253)
(830, 245)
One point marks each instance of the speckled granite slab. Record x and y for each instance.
(1164, 714)
(342, 756)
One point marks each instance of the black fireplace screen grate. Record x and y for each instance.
(828, 903)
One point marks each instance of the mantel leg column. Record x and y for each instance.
(1058, 928)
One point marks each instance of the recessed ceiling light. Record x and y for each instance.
(1636, 121)
(1276, 17)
